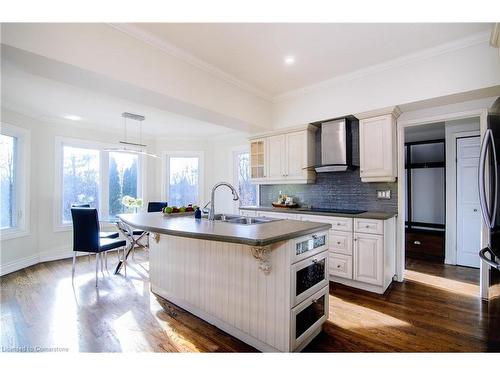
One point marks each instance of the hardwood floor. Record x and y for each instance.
(436, 309)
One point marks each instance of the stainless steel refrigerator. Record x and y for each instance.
(489, 198)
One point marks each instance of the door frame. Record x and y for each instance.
(482, 113)
(451, 249)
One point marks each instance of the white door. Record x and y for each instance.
(368, 258)
(468, 209)
(295, 154)
(276, 147)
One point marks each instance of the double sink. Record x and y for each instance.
(245, 220)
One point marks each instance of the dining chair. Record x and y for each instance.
(102, 234)
(86, 238)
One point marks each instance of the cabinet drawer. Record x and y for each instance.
(276, 215)
(307, 246)
(248, 213)
(309, 276)
(307, 317)
(343, 224)
(340, 242)
(340, 265)
(369, 226)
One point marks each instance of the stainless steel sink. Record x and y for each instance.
(245, 220)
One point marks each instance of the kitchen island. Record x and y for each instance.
(264, 282)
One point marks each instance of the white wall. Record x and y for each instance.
(43, 243)
(429, 75)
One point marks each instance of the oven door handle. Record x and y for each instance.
(488, 260)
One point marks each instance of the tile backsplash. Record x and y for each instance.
(343, 190)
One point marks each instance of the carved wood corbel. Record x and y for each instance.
(262, 255)
(156, 237)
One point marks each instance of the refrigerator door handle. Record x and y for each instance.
(488, 259)
(482, 188)
(495, 189)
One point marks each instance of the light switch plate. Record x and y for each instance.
(383, 194)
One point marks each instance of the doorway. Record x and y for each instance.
(442, 214)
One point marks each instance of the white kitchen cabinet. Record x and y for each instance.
(258, 159)
(288, 154)
(277, 215)
(340, 265)
(276, 146)
(368, 257)
(378, 147)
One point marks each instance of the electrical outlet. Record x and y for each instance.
(383, 194)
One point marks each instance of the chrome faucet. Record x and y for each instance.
(211, 214)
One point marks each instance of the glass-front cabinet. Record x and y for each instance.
(258, 159)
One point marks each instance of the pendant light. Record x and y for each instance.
(129, 146)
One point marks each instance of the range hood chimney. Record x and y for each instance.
(336, 146)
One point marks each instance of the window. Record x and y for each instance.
(87, 173)
(14, 186)
(8, 146)
(184, 183)
(247, 191)
(80, 179)
(122, 180)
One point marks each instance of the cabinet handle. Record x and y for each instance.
(338, 265)
(338, 242)
(338, 223)
(367, 226)
(355, 239)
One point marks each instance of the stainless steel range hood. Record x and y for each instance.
(335, 146)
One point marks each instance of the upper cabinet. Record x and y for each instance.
(286, 159)
(258, 158)
(377, 145)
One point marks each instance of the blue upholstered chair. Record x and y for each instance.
(86, 237)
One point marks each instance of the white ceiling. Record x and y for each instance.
(253, 53)
(50, 100)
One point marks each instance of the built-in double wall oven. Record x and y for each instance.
(309, 291)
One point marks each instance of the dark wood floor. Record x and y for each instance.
(435, 309)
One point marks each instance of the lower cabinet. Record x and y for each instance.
(368, 258)
(340, 265)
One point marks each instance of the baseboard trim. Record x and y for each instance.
(43, 256)
(18, 264)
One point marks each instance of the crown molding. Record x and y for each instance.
(395, 111)
(174, 51)
(458, 44)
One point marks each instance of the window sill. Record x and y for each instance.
(10, 234)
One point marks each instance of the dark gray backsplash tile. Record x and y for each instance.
(342, 190)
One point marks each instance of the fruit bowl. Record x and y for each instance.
(179, 211)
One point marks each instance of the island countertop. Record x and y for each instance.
(253, 234)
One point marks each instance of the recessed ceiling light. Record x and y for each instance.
(289, 60)
(72, 117)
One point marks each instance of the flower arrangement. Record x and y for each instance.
(132, 203)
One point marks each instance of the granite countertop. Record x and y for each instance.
(254, 234)
(305, 211)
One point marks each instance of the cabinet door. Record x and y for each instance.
(258, 157)
(368, 258)
(296, 154)
(377, 137)
(276, 152)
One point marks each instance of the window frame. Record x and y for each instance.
(60, 142)
(235, 152)
(22, 177)
(166, 155)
